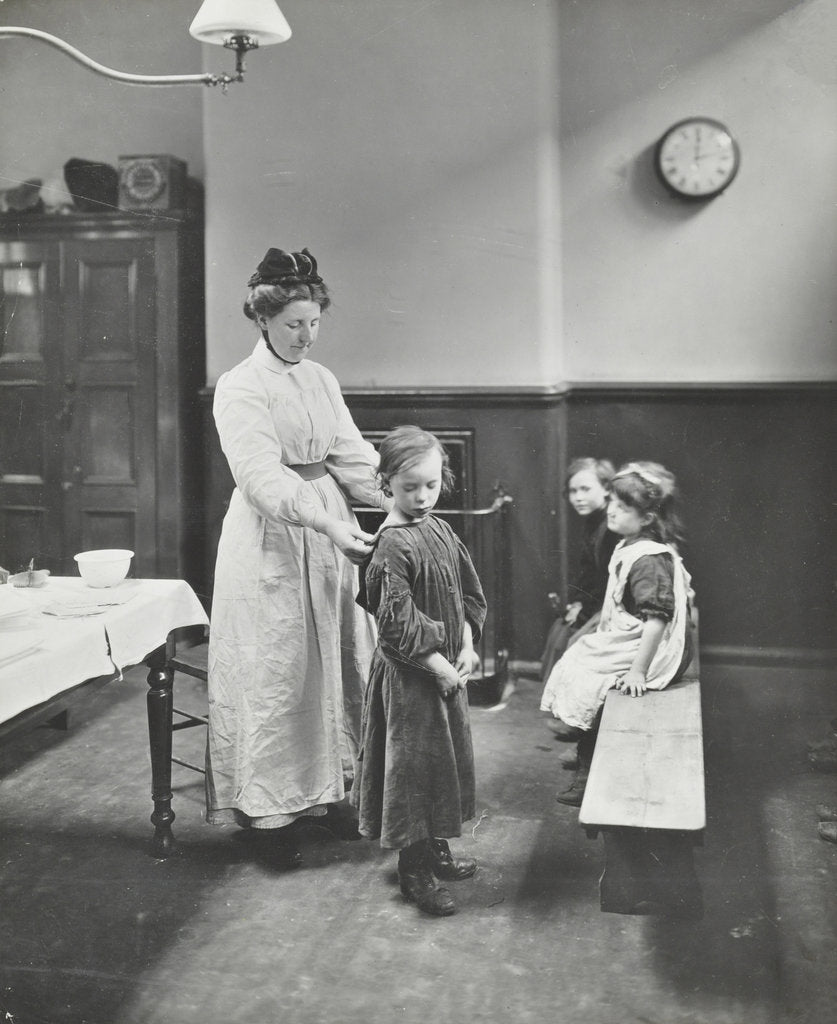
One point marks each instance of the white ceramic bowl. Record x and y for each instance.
(105, 567)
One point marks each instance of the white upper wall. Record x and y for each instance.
(475, 177)
(476, 181)
(412, 149)
(52, 108)
(742, 287)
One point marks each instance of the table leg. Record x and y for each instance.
(160, 701)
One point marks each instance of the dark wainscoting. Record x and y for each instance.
(511, 440)
(756, 471)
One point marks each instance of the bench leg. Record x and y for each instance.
(160, 701)
(60, 721)
(649, 871)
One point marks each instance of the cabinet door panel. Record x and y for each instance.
(108, 530)
(108, 287)
(23, 444)
(106, 434)
(25, 535)
(24, 313)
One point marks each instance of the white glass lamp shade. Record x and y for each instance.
(217, 20)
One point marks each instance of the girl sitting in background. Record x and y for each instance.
(587, 490)
(643, 640)
(415, 782)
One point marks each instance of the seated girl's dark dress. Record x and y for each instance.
(588, 587)
(649, 593)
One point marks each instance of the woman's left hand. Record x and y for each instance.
(632, 683)
(351, 540)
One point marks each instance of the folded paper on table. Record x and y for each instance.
(73, 605)
(15, 623)
(17, 645)
(11, 603)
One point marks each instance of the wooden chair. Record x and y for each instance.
(191, 661)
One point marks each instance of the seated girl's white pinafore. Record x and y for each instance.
(578, 684)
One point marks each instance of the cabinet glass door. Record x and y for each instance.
(31, 410)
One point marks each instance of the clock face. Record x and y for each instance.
(143, 180)
(697, 158)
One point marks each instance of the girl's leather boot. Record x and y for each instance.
(419, 885)
(444, 865)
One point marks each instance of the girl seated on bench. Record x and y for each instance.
(587, 490)
(643, 640)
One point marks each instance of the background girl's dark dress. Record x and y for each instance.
(415, 777)
(588, 586)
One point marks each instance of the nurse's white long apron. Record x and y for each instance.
(289, 648)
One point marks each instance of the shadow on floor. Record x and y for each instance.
(95, 930)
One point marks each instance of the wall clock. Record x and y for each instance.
(697, 158)
(154, 182)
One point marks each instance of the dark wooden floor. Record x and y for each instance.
(94, 930)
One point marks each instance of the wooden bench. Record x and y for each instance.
(645, 795)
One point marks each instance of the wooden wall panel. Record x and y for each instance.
(754, 465)
(757, 478)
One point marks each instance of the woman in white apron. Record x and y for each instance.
(289, 648)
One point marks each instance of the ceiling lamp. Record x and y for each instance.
(240, 25)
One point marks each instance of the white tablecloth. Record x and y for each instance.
(70, 632)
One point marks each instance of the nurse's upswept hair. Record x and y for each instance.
(282, 278)
(404, 446)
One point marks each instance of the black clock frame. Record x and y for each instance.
(690, 196)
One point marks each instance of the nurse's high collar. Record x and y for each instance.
(272, 350)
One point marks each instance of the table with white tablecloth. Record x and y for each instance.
(61, 637)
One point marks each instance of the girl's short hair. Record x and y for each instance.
(603, 468)
(269, 299)
(404, 446)
(651, 489)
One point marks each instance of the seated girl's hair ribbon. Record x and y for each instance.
(643, 474)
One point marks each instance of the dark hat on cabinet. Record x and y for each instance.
(93, 186)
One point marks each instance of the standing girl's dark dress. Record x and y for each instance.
(416, 770)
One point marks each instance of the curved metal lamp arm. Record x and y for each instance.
(239, 43)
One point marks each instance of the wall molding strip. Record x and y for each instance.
(535, 393)
(720, 654)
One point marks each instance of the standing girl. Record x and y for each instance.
(643, 640)
(415, 782)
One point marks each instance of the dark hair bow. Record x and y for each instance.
(278, 266)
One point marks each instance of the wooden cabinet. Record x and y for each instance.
(101, 361)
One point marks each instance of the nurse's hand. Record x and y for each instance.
(351, 540)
